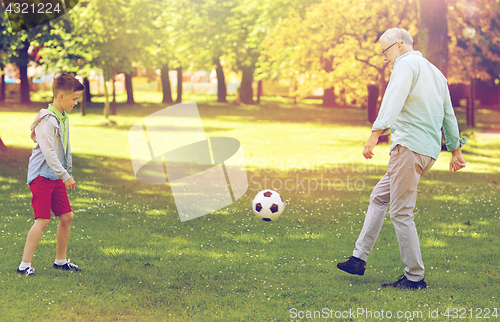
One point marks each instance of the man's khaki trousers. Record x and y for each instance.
(398, 187)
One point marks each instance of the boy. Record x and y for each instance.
(49, 172)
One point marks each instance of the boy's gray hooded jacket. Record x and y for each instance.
(48, 158)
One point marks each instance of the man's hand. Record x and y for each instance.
(370, 144)
(457, 161)
(70, 183)
(368, 148)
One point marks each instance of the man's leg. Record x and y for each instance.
(63, 230)
(404, 175)
(379, 200)
(374, 220)
(33, 238)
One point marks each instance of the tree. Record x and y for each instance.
(176, 40)
(17, 45)
(213, 41)
(160, 50)
(4, 47)
(433, 32)
(474, 29)
(108, 35)
(335, 43)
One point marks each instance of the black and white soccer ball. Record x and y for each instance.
(268, 205)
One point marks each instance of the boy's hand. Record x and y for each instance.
(70, 183)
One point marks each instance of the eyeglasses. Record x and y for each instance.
(383, 52)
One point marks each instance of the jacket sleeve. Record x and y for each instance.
(46, 136)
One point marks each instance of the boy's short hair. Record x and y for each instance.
(66, 82)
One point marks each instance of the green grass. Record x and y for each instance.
(140, 263)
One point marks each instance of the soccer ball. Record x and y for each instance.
(268, 205)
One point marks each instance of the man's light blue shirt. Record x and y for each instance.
(416, 105)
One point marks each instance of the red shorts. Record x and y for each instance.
(49, 194)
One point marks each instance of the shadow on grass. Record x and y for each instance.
(129, 236)
(263, 113)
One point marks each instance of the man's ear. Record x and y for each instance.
(60, 96)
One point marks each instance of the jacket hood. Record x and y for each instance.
(43, 113)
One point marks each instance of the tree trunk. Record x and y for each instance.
(129, 89)
(165, 83)
(329, 97)
(470, 116)
(83, 104)
(22, 63)
(2, 85)
(259, 91)
(179, 85)
(113, 102)
(295, 87)
(373, 91)
(87, 96)
(106, 103)
(433, 32)
(2, 145)
(246, 90)
(221, 81)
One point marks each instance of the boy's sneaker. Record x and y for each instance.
(68, 266)
(30, 271)
(354, 266)
(403, 282)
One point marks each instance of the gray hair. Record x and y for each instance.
(397, 34)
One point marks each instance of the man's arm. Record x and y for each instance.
(452, 135)
(370, 144)
(393, 101)
(394, 98)
(457, 161)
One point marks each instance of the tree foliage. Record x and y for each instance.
(474, 29)
(16, 47)
(335, 43)
(319, 43)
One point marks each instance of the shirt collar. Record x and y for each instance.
(410, 53)
(62, 117)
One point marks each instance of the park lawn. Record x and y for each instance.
(140, 263)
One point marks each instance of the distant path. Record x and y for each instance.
(492, 133)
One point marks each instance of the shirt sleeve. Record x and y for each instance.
(46, 136)
(395, 97)
(450, 126)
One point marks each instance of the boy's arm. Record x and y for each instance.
(45, 135)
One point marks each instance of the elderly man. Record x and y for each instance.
(415, 107)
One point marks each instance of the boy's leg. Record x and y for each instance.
(63, 234)
(41, 188)
(33, 238)
(62, 209)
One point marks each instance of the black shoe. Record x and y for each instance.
(30, 271)
(403, 282)
(354, 266)
(68, 266)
